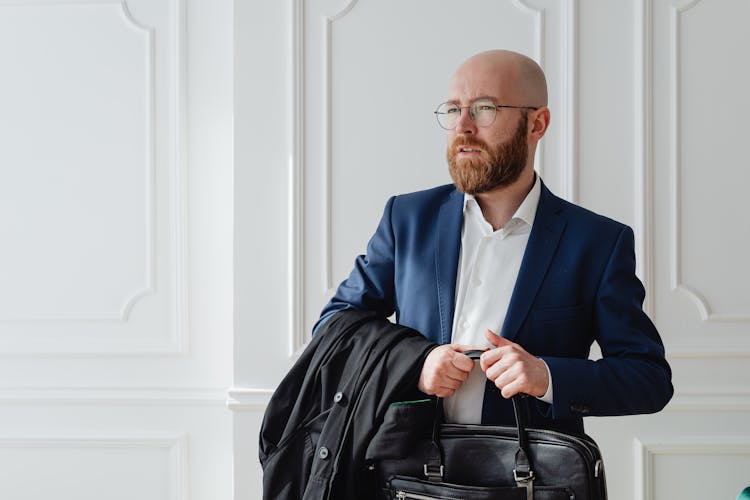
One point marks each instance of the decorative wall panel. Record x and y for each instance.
(90, 183)
(363, 121)
(663, 467)
(91, 468)
(700, 280)
(710, 256)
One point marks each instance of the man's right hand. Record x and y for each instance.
(445, 369)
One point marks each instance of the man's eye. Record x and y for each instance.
(485, 107)
(452, 111)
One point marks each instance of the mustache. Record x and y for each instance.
(463, 141)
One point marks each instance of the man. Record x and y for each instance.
(497, 262)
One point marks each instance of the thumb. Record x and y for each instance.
(496, 339)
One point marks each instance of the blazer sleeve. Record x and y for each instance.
(370, 285)
(633, 375)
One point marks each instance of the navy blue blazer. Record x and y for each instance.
(576, 285)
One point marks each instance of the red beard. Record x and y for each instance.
(492, 167)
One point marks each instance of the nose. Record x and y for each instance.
(465, 124)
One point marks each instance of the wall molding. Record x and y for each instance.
(702, 349)
(148, 59)
(177, 339)
(706, 401)
(135, 396)
(570, 101)
(296, 192)
(175, 444)
(327, 239)
(644, 207)
(677, 283)
(646, 451)
(248, 399)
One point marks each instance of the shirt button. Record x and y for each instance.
(466, 324)
(323, 453)
(338, 397)
(477, 282)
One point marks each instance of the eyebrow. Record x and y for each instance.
(487, 97)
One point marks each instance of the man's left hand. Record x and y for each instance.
(512, 369)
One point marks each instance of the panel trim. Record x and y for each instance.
(177, 341)
(570, 102)
(706, 349)
(129, 302)
(179, 186)
(647, 450)
(699, 300)
(136, 396)
(644, 208)
(296, 193)
(706, 401)
(248, 399)
(176, 445)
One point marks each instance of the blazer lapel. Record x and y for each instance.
(543, 240)
(447, 247)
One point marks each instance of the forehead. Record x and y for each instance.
(473, 81)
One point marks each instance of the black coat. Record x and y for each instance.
(324, 413)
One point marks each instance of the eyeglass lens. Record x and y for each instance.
(482, 112)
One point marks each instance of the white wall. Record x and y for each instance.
(183, 183)
(333, 114)
(116, 259)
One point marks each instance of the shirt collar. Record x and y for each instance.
(526, 211)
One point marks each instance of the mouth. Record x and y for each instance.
(468, 150)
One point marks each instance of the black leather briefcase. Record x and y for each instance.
(416, 456)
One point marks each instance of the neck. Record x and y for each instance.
(499, 205)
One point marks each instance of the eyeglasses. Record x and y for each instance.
(481, 111)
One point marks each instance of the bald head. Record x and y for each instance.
(512, 77)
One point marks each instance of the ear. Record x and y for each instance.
(538, 123)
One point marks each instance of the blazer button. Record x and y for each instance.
(338, 397)
(323, 452)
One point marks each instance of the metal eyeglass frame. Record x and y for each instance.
(473, 114)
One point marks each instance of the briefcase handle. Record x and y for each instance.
(523, 473)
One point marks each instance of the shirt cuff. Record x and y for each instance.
(547, 398)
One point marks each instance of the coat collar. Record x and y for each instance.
(545, 235)
(548, 227)
(447, 248)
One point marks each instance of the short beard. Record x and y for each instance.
(496, 167)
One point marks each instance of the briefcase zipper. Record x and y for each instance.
(405, 495)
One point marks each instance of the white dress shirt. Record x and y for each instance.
(488, 268)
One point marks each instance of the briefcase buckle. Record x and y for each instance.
(523, 477)
(433, 475)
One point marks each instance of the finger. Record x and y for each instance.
(497, 370)
(449, 371)
(507, 383)
(496, 339)
(492, 356)
(511, 389)
(437, 381)
(444, 393)
(463, 362)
